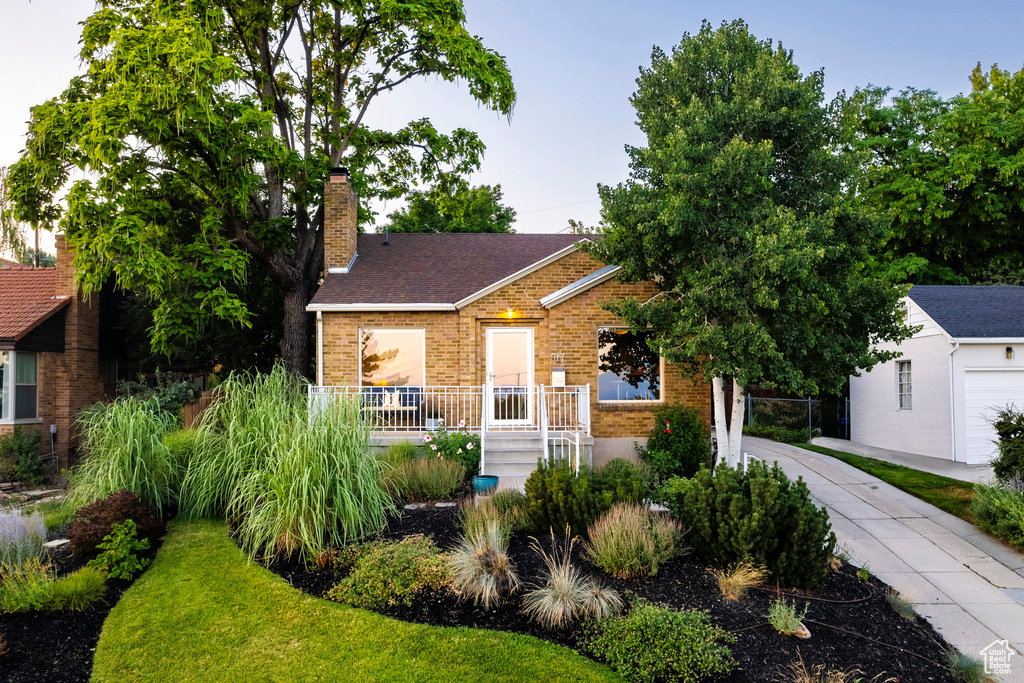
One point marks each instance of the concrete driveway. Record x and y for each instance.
(966, 583)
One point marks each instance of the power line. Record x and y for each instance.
(561, 206)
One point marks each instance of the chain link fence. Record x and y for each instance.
(801, 413)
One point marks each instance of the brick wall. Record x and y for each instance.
(456, 341)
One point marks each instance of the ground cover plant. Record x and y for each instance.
(34, 587)
(950, 495)
(757, 515)
(391, 572)
(201, 612)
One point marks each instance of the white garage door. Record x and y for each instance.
(985, 391)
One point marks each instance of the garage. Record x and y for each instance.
(985, 391)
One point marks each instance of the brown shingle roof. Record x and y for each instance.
(434, 268)
(26, 299)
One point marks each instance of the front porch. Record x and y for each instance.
(517, 425)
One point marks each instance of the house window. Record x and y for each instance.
(903, 384)
(627, 368)
(19, 386)
(393, 358)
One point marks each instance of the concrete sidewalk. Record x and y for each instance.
(981, 474)
(966, 583)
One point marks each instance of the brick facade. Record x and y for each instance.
(456, 341)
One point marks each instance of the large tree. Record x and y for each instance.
(736, 210)
(948, 172)
(474, 209)
(205, 130)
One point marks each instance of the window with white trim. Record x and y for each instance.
(627, 368)
(19, 386)
(903, 385)
(392, 357)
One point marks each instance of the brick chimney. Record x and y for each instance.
(340, 230)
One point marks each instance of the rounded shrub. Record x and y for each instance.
(93, 522)
(758, 515)
(678, 443)
(1009, 426)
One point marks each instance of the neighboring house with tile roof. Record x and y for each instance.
(505, 332)
(939, 396)
(49, 353)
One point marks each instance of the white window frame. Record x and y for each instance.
(627, 401)
(904, 399)
(359, 343)
(10, 388)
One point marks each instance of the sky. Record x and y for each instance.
(575, 63)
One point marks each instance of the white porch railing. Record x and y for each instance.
(478, 408)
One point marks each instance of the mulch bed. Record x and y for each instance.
(844, 613)
(58, 646)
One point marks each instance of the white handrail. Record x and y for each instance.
(544, 421)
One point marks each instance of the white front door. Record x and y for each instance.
(510, 376)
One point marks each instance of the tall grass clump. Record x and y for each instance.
(505, 508)
(123, 447)
(429, 478)
(629, 541)
(290, 481)
(21, 537)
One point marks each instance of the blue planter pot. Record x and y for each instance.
(484, 484)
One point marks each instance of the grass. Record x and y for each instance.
(735, 581)
(629, 541)
(202, 613)
(950, 495)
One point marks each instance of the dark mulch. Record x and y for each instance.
(843, 614)
(58, 646)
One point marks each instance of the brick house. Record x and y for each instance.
(49, 353)
(504, 332)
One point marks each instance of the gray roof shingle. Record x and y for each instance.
(973, 311)
(432, 268)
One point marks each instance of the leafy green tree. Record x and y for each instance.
(476, 209)
(736, 210)
(207, 128)
(948, 173)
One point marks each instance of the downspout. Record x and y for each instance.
(952, 408)
(319, 348)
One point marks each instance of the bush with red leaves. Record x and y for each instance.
(94, 521)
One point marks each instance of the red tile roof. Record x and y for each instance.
(434, 268)
(26, 299)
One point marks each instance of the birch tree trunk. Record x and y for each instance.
(729, 435)
(721, 430)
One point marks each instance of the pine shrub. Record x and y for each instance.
(653, 643)
(91, 524)
(759, 516)
(1009, 426)
(678, 444)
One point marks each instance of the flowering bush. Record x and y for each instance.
(457, 444)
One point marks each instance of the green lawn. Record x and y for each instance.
(952, 495)
(202, 613)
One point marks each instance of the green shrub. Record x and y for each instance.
(629, 541)
(623, 480)
(457, 444)
(33, 588)
(123, 446)
(119, 552)
(1009, 426)
(91, 525)
(290, 480)
(392, 572)
(169, 392)
(21, 537)
(430, 478)
(19, 457)
(653, 643)
(784, 617)
(781, 434)
(760, 516)
(558, 500)
(678, 444)
(1000, 511)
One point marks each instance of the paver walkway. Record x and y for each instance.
(967, 584)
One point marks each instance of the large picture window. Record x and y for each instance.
(19, 386)
(627, 368)
(392, 358)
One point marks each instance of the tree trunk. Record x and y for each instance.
(736, 425)
(721, 430)
(294, 340)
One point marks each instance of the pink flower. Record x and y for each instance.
(462, 423)
(427, 438)
(433, 447)
(469, 446)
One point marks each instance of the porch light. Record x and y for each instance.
(1009, 352)
(509, 312)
